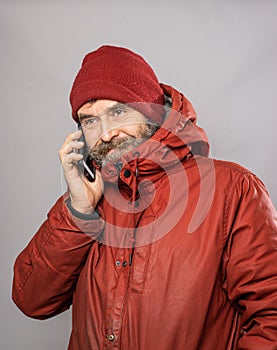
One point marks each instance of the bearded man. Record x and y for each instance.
(163, 247)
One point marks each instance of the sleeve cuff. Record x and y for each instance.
(82, 216)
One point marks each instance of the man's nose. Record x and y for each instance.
(109, 131)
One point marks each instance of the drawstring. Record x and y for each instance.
(133, 203)
(135, 186)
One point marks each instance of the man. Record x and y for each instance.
(167, 248)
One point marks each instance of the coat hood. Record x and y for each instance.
(178, 138)
(181, 121)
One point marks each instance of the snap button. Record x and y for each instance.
(111, 337)
(136, 154)
(124, 264)
(127, 173)
(117, 263)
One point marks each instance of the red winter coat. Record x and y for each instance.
(183, 256)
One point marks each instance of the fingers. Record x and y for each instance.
(71, 158)
(72, 146)
(73, 136)
(68, 152)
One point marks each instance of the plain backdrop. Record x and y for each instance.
(221, 54)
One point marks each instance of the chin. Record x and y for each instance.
(115, 154)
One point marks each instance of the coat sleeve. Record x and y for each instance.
(46, 271)
(250, 263)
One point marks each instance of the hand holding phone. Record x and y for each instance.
(84, 192)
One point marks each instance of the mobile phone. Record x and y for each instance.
(86, 164)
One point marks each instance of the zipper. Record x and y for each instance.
(131, 257)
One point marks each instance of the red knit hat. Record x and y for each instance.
(118, 74)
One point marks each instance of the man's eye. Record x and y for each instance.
(89, 122)
(120, 112)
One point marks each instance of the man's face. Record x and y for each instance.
(112, 129)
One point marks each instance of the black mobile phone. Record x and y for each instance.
(86, 164)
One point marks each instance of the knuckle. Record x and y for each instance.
(69, 138)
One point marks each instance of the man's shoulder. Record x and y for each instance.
(222, 170)
(220, 165)
(230, 166)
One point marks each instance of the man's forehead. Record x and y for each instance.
(96, 107)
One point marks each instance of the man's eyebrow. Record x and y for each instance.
(83, 116)
(116, 106)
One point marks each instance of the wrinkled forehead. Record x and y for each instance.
(96, 107)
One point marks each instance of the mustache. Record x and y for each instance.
(99, 153)
(105, 147)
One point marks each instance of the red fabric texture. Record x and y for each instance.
(118, 74)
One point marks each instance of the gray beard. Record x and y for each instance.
(120, 146)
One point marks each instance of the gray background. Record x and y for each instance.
(221, 54)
